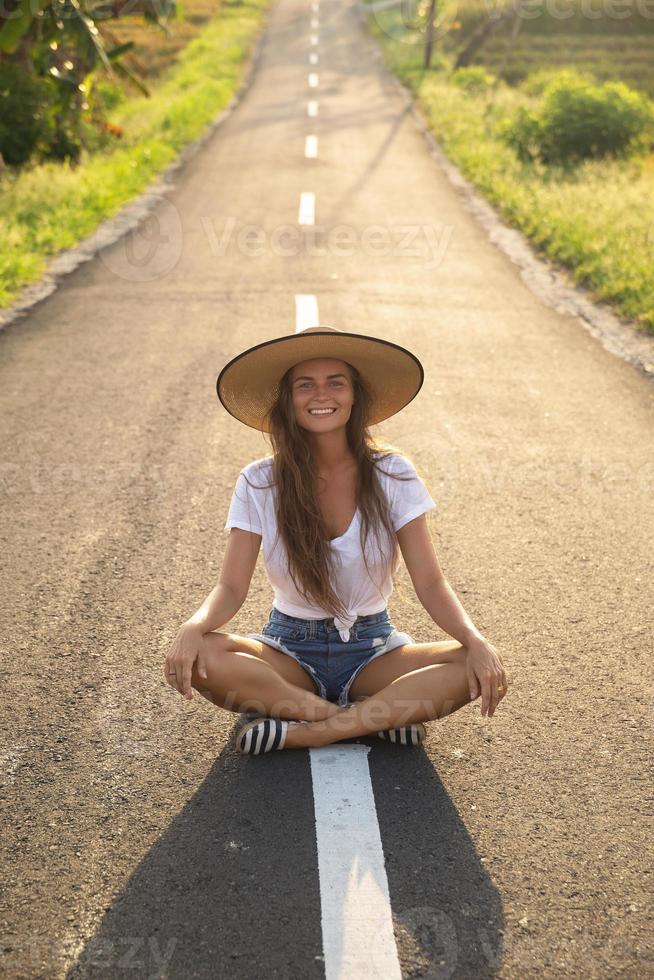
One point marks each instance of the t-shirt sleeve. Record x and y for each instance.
(243, 511)
(408, 498)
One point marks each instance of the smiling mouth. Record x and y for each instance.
(318, 414)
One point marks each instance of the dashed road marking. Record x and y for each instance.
(306, 214)
(311, 146)
(306, 311)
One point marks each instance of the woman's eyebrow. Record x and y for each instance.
(308, 377)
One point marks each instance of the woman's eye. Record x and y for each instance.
(305, 383)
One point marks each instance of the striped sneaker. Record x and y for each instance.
(405, 734)
(263, 735)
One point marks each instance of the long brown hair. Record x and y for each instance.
(299, 520)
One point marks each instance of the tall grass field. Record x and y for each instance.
(596, 219)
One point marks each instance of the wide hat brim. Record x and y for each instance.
(248, 385)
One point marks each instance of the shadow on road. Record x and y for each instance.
(232, 889)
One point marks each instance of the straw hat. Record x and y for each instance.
(248, 385)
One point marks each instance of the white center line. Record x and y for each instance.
(313, 38)
(311, 146)
(312, 107)
(314, 23)
(357, 924)
(313, 80)
(306, 214)
(314, 6)
(306, 311)
(313, 58)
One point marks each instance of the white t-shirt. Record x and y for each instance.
(254, 510)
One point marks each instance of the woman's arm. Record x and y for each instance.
(225, 600)
(484, 665)
(444, 606)
(221, 605)
(218, 608)
(432, 588)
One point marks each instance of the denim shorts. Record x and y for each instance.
(317, 646)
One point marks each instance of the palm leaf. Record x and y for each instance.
(17, 23)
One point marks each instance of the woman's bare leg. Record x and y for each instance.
(240, 681)
(420, 695)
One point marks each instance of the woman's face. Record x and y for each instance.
(322, 382)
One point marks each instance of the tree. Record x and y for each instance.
(67, 43)
(484, 31)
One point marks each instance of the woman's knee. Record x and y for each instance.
(228, 669)
(217, 659)
(458, 690)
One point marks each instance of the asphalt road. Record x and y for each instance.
(136, 840)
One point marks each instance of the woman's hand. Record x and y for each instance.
(485, 671)
(185, 650)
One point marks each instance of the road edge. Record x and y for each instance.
(549, 282)
(131, 214)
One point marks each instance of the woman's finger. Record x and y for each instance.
(169, 673)
(186, 677)
(494, 694)
(175, 676)
(485, 691)
(472, 682)
(502, 686)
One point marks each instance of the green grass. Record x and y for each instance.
(596, 220)
(52, 206)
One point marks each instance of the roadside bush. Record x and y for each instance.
(62, 145)
(25, 113)
(96, 132)
(34, 121)
(537, 81)
(105, 95)
(474, 78)
(578, 121)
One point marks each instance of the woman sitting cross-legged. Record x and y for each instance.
(333, 508)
